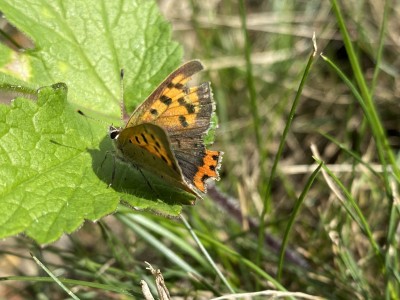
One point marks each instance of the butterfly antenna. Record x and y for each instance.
(91, 118)
(121, 100)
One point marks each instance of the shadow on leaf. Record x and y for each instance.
(138, 188)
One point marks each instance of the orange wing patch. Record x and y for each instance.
(209, 169)
(149, 142)
(153, 146)
(186, 102)
(169, 93)
(190, 109)
(172, 92)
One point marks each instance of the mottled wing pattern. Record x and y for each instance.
(197, 163)
(160, 99)
(185, 114)
(147, 146)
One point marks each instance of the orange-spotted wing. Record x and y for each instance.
(178, 117)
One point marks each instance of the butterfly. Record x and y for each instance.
(165, 134)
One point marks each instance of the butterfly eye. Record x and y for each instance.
(114, 135)
(113, 132)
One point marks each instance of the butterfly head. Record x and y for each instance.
(114, 132)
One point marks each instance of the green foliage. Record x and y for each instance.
(46, 170)
(86, 44)
(56, 164)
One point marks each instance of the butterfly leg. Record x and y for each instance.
(145, 179)
(113, 172)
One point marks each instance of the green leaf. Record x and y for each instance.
(46, 186)
(51, 173)
(86, 43)
(56, 165)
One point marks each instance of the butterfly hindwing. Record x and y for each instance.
(199, 164)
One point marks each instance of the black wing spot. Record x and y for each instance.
(137, 139)
(205, 177)
(154, 112)
(183, 121)
(191, 108)
(163, 158)
(166, 100)
(155, 148)
(144, 138)
(179, 86)
(130, 141)
(158, 144)
(215, 157)
(212, 168)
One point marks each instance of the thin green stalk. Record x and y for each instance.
(249, 75)
(358, 96)
(253, 96)
(266, 193)
(382, 144)
(366, 110)
(135, 223)
(355, 212)
(374, 120)
(350, 266)
(372, 115)
(348, 82)
(67, 290)
(390, 290)
(394, 209)
(253, 267)
(353, 154)
(206, 254)
(292, 218)
(382, 34)
(156, 243)
(95, 285)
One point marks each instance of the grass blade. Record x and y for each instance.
(293, 216)
(54, 277)
(266, 193)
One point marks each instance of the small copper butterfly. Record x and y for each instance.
(165, 134)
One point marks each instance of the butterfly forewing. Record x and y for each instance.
(164, 94)
(146, 146)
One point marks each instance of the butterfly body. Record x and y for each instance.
(165, 134)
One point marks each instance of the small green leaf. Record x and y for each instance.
(56, 165)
